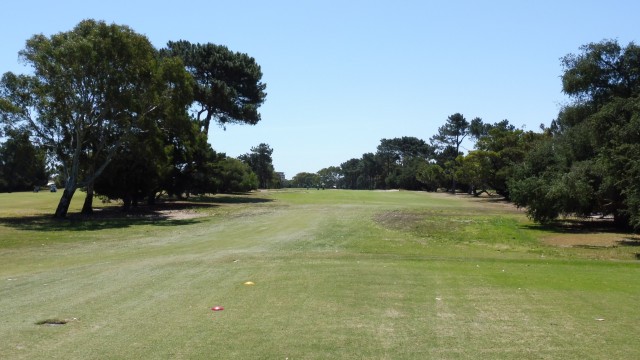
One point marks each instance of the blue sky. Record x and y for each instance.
(341, 75)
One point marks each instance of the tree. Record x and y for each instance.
(306, 180)
(329, 176)
(405, 148)
(370, 172)
(227, 88)
(132, 175)
(431, 176)
(234, 176)
(92, 87)
(452, 133)
(260, 161)
(449, 138)
(148, 159)
(351, 171)
(498, 149)
(474, 170)
(407, 177)
(398, 156)
(22, 165)
(588, 164)
(602, 72)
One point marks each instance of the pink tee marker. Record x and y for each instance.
(217, 308)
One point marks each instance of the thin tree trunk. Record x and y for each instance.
(87, 207)
(151, 199)
(65, 201)
(126, 202)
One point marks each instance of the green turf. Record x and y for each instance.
(338, 275)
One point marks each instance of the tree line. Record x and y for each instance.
(411, 163)
(585, 163)
(116, 117)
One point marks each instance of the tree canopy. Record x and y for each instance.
(112, 112)
(590, 164)
(227, 87)
(261, 162)
(90, 89)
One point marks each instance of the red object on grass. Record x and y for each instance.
(217, 308)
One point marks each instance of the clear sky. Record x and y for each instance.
(341, 75)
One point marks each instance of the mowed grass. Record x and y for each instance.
(338, 275)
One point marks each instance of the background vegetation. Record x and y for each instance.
(585, 163)
(114, 116)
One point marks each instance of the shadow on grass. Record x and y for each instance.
(630, 241)
(239, 198)
(590, 226)
(579, 226)
(164, 214)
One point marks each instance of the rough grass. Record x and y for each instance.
(338, 274)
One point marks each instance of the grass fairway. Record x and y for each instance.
(338, 275)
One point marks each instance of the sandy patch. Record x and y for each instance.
(179, 214)
(592, 240)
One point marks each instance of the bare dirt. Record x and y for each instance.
(592, 240)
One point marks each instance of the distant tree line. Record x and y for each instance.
(108, 113)
(411, 163)
(585, 164)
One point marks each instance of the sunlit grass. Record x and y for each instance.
(338, 274)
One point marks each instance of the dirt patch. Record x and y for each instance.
(398, 220)
(179, 214)
(596, 240)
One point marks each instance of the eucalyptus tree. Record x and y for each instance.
(90, 90)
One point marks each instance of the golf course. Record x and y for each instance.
(313, 274)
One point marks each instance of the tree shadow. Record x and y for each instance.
(578, 226)
(168, 213)
(164, 213)
(630, 241)
(238, 198)
(623, 237)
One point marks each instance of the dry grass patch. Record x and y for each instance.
(596, 240)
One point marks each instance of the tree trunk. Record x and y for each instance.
(151, 199)
(621, 221)
(65, 201)
(87, 207)
(126, 202)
